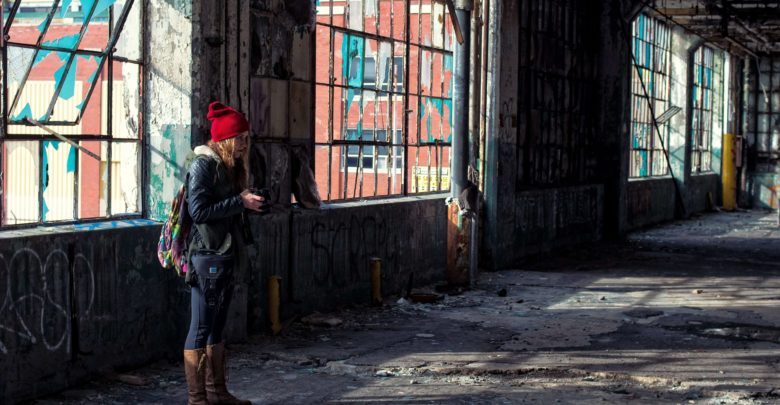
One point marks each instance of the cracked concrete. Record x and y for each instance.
(684, 313)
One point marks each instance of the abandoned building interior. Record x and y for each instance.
(471, 201)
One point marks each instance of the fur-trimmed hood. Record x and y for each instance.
(204, 150)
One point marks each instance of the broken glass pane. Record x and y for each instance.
(33, 99)
(67, 24)
(126, 101)
(72, 100)
(59, 171)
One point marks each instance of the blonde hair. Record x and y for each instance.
(237, 168)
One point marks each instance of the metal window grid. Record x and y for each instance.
(557, 78)
(651, 45)
(764, 113)
(705, 79)
(106, 63)
(385, 23)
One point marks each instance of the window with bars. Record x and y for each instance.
(557, 78)
(71, 110)
(381, 160)
(706, 81)
(651, 47)
(377, 75)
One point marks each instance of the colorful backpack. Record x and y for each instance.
(173, 238)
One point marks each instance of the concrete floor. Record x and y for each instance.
(684, 313)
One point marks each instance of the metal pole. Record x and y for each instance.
(473, 249)
(460, 100)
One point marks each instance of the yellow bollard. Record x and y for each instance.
(376, 280)
(273, 303)
(729, 175)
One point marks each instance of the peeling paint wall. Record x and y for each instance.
(281, 66)
(168, 93)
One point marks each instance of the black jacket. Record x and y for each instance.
(215, 207)
(210, 196)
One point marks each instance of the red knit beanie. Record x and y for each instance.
(225, 122)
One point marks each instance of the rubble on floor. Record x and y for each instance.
(686, 313)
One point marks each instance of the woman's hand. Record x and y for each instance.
(252, 201)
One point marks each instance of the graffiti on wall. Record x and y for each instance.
(341, 249)
(576, 207)
(35, 297)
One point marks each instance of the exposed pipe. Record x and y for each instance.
(460, 104)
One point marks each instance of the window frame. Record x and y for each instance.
(397, 92)
(703, 101)
(107, 137)
(655, 63)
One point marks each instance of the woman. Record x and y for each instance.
(217, 196)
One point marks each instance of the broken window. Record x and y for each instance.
(763, 119)
(707, 77)
(557, 80)
(650, 89)
(71, 105)
(383, 118)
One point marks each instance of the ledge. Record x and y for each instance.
(650, 179)
(72, 228)
(383, 201)
(705, 174)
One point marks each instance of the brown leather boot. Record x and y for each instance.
(216, 388)
(194, 369)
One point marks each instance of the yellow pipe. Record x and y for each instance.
(729, 175)
(273, 303)
(376, 280)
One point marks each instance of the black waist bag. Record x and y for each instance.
(214, 272)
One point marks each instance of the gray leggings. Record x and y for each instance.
(207, 323)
